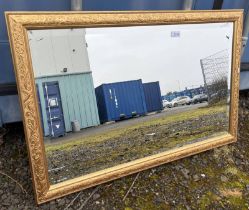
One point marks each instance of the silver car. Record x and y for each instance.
(166, 104)
(181, 100)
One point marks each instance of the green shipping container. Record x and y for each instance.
(77, 98)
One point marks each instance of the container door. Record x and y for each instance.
(54, 109)
(39, 104)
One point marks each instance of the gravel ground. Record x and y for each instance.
(86, 158)
(217, 179)
(122, 124)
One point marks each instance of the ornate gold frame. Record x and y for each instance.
(19, 22)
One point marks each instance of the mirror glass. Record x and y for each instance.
(111, 95)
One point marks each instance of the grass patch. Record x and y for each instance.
(138, 151)
(207, 199)
(231, 191)
(115, 133)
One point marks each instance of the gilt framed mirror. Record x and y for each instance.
(105, 95)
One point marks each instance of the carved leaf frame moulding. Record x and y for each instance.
(19, 22)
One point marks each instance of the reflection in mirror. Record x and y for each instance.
(112, 95)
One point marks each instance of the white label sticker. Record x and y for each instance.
(175, 34)
(52, 102)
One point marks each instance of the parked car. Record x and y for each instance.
(219, 95)
(166, 104)
(199, 98)
(181, 100)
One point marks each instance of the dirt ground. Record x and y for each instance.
(216, 179)
(128, 143)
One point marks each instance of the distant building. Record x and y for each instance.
(191, 92)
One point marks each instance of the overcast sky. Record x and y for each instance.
(151, 53)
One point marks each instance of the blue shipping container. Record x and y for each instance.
(152, 95)
(120, 100)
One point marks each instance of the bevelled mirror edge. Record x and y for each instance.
(18, 23)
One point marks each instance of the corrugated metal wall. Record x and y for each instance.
(6, 69)
(77, 97)
(7, 106)
(11, 113)
(120, 99)
(239, 4)
(152, 94)
(7, 74)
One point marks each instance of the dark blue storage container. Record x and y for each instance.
(152, 95)
(120, 100)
